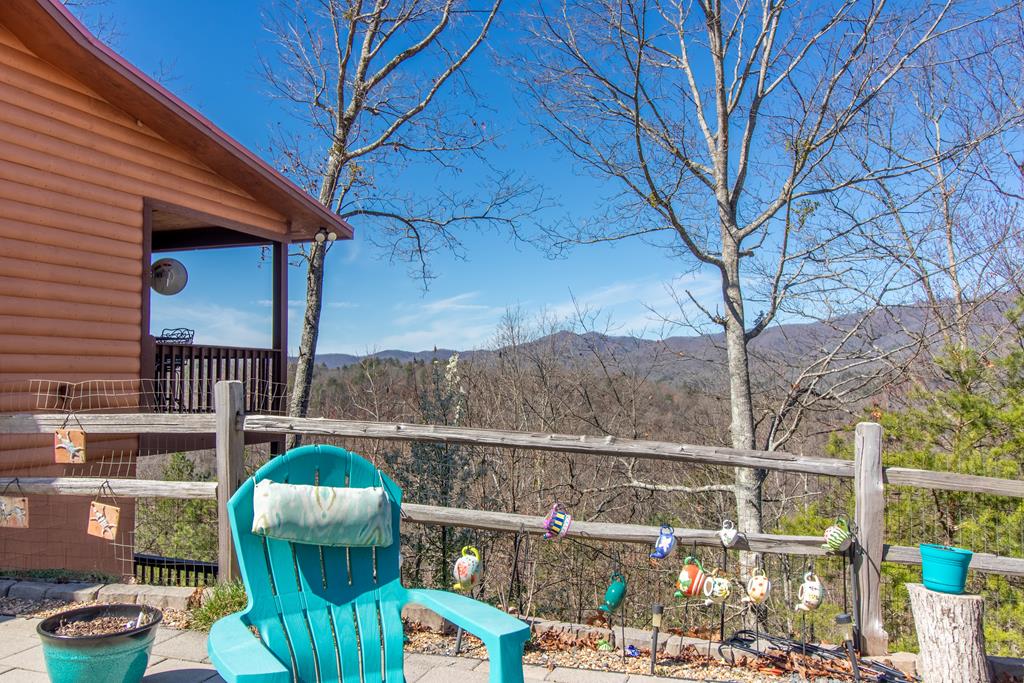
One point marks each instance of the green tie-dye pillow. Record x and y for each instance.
(322, 515)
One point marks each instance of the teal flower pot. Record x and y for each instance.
(113, 658)
(944, 568)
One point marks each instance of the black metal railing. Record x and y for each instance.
(154, 570)
(185, 375)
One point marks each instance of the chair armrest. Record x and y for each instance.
(241, 657)
(479, 618)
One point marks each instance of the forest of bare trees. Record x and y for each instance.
(849, 173)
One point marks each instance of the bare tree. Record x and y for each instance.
(382, 86)
(726, 129)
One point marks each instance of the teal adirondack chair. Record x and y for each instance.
(334, 614)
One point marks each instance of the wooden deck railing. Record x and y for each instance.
(231, 423)
(185, 375)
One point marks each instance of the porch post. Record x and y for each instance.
(229, 398)
(280, 344)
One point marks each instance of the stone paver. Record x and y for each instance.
(164, 633)
(23, 676)
(440, 661)
(180, 671)
(563, 675)
(174, 597)
(187, 645)
(118, 592)
(531, 672)
(31, 659)
(29, 590)
(18, 626)
(74, 592)
(13, 644)
(446, 675)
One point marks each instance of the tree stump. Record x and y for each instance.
(950, 635)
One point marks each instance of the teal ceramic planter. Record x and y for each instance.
(944, 568)
(115, 658)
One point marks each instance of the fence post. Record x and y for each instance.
(870, 520)
(229, 399)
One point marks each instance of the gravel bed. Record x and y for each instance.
(17, 607)
(553, 655)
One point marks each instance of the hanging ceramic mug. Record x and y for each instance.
(811, 593)
(467, 569)
(665, 543)
(556, 524)
(716, 589)
(838, 536)
(758, 587)
(691, 579)
(728, 534)
(615, 593)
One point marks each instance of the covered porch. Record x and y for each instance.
(182, 370)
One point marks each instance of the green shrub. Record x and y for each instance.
(221, 600)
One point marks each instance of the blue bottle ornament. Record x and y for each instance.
(615, 593)
(665, 543)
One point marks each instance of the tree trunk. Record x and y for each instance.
(950, 634)
(741, 426)
(310, 332)
(314, 303)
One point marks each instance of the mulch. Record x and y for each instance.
(97, 627)
(18, 607)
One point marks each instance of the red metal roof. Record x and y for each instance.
(49, 29)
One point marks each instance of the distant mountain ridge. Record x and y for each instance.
(887, 328)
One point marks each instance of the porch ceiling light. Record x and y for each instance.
(323, 235)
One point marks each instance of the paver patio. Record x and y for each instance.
(180, 657)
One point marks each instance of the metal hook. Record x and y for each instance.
(106, 484)
(17, 482)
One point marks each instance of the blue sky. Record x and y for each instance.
(206, 52)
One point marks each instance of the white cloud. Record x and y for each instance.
(292, 303)
(457, 322)
(635, 306)
(213, 323)
(462, 321)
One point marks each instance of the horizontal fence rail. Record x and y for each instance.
(432, 515)
(156, 423)
(231, 422)
(128, 488)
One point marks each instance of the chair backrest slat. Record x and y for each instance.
(318, 610)
(333, 606)
(291, 601)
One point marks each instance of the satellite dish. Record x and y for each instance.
(168, 276)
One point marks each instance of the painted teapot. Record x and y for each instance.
(615, 593)
(467, 569)
(665, 543)
(838, 536)
(556, 524)
(716, 589)
(811, 593)
(758, 587)
(691, 579)
(728, 534)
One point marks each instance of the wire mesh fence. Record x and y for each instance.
(157, 540)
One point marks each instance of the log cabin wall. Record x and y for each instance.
(74, 172)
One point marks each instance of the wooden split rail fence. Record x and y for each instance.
(230, 423)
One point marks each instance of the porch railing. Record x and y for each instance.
(156, 570)
(185, 375)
